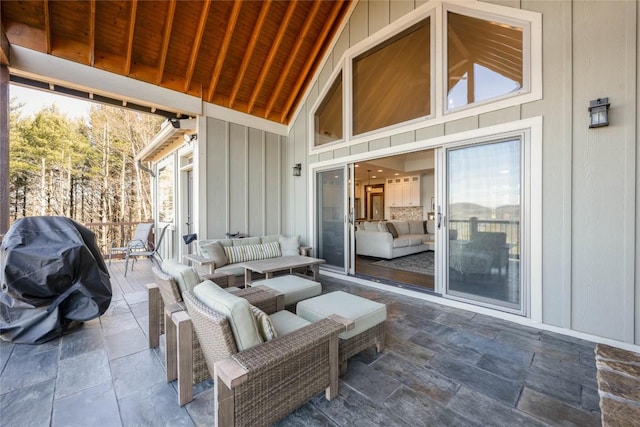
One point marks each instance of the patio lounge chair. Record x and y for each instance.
(139, 241)
(150, 252)
(257, 382)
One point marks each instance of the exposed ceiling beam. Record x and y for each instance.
(132, 26)
(47, 26)
(302, 77)
(4, 47)
(233, 19)
(92, 34)
(271, 56)
(204, 14)
(292, 57)
(249, 51)
(166, 36)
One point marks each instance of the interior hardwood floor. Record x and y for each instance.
(365, 266)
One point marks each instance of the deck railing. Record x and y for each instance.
(466, 227)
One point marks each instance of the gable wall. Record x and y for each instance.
(591, 215)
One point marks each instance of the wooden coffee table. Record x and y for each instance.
(271, 265)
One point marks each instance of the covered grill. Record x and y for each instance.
(52, 274)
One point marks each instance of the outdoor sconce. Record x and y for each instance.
(599, 112)
(188, 138)
(297, 169)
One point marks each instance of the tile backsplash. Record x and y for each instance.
(407, 213)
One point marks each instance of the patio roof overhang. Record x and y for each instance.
(255, 57)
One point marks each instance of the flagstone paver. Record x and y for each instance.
(441, 366)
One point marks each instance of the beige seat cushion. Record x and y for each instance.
(286, 322)
(237, 310)
(186, 277)
(294, 288)
(215, 251)
(365, 313)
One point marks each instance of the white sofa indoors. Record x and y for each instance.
(223, 255)
(375, 238)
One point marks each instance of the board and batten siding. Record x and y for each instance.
(244, 180)
(591, 177)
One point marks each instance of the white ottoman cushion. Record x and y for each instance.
(293, 287)
(364, 313)
(285, 322)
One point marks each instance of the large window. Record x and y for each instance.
(484, 60)
(443, 61)
(328, 116)
(392, 81)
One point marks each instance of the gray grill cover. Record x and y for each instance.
(52, 274)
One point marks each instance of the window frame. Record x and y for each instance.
(339, 71)
(531, 23)
(484, 15)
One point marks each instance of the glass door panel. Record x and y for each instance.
(484, 216)
(330, 216)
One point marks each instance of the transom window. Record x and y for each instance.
(328, 116)
(444, 61)
(484, 60)
(392, 81)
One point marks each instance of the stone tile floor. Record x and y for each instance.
(441, 366)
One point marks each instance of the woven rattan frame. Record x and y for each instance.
(264, 298)
(278, 376)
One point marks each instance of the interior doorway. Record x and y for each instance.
(374, 202)
(395, 189)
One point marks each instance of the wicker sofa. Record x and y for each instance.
(394, 239)
(224, 255)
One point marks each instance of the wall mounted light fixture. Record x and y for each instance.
(599, 112)
(297, 169)
(190, 137)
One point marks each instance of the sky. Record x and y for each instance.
(35, 100)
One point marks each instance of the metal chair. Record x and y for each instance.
(135, 252)
(140, 240)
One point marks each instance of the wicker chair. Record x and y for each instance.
(261, 385)
(165, 299)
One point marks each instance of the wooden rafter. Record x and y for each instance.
(292, 56)
(92, 33)
(166, 36)
(222, 54)
(249, 51)
(272, 54)
(311, 59)
(47, 26)
(132, 26)
(4, 47)
(202, 22)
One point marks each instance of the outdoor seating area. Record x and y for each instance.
(440, 365)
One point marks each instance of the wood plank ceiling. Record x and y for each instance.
(256, 57)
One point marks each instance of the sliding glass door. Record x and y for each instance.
(483, 218)
(331, 219)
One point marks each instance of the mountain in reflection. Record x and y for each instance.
(464, 211)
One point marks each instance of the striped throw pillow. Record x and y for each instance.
(265, 326)
(252, 252)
